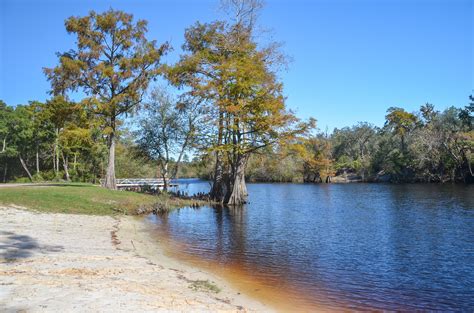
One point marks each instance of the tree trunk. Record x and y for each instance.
(110, 175)
(37, 162)
(54, 160)
(217, 189)
(25, 168)
(56, 150)
(4, 144)
(239, 188)
(5, 172)
(181, 153)
(178, 163)
(165, 176)
(65, 166)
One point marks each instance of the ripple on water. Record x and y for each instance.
(356, 246)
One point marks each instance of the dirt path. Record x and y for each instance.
(78, 263)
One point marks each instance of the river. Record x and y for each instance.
(339, 246)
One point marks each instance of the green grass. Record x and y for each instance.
(204, 285)
(76, 198)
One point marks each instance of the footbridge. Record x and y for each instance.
(141, 183)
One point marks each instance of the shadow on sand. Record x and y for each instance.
(14, 247)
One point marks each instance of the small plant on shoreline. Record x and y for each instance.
(204, 285)
(166, 201)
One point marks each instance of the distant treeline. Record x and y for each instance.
(57, 140)
(423, 146)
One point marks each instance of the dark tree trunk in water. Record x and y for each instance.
(110, 175)
(466, 170)
(25, 168)
(239, 193)
(217, 189)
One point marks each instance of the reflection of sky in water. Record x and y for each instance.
(192, 186)
(385, 246)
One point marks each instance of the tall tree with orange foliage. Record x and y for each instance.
(112, 64)
(224, 65)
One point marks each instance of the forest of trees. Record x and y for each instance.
(423, 146)
(224, 107)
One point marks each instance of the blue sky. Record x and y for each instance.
(352, 59)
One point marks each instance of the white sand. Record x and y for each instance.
(78, 263)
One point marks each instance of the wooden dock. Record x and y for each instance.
(136, 184)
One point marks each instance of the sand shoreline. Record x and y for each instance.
(77, 263)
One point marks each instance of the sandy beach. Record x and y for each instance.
(81, 263)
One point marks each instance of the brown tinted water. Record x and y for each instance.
(354, 247)
(269, 289)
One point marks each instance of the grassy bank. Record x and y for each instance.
(77, 198)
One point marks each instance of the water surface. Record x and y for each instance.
(353, 246)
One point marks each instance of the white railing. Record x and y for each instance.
(138, 182)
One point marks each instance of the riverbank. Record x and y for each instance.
(82, 198)
(61, 262)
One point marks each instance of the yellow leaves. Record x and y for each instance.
(232, 109)
(300, 150)
(70, 65)
(77, 24)
(468, 140)
(108, 130)
(113, 62)
(108, 21)
(75, 138)
(401, 120)
(315, 152)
